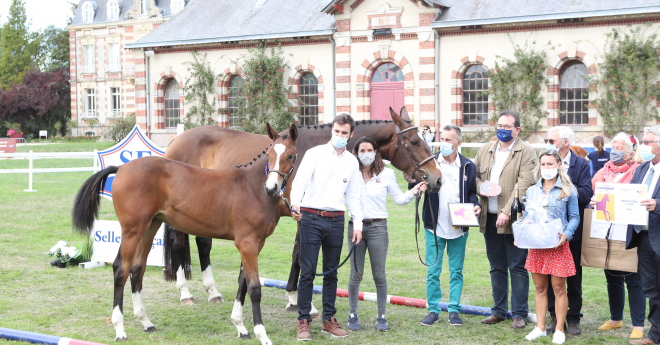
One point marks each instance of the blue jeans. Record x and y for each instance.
(504, 257)
(319, 233)
(456, 258)
(616, 292)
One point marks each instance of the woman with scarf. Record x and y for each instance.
(620, 169)
(378, 182)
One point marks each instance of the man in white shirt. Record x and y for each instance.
(459, 185)
(326, 173)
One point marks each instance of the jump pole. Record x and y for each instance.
(397, 300)
(37, 338)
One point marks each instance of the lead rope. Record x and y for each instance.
(417, 222)
(303, 243)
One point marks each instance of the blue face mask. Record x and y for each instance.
(646, 152)
(551, 147)
(338, 141)
(446, 149)
(504, 135)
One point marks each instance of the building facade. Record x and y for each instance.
(363, 56)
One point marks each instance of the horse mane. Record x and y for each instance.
(263, 153)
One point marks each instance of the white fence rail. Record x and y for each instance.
(31, 170)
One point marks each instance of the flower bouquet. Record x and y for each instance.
(14, 130)
(64, 255)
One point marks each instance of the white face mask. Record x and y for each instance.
(548, 174)
(367, 158)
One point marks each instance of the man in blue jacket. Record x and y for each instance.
(459, 185)
(647, 238)
(560, 138)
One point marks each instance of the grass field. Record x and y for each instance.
(77, 303)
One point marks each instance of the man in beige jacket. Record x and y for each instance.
(507, 162)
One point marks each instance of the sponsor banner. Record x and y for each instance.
(7, 145)
(106, 235)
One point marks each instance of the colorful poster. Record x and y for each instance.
(620, 203)
(463, 215)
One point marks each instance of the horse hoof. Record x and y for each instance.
(150, 329)
(188, 301)
(217, 299)
(121, 339)
(292, 308)
(245, 336)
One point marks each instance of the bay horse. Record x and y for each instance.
(237, 203)
(216, 147)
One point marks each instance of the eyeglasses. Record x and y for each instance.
(507, 127)
(648, 142)
(551, 141)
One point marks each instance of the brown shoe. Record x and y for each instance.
(332, 326)
(552, 325)
(491, 320)
(303, 330)
(574, 329)
(518, 323)
(643, 341)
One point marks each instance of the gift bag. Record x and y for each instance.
(541, 224)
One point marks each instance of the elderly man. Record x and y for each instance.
(507, 162)
(577, 168)
(459, 186)
(647, 238)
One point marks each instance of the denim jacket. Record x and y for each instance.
(556, 207)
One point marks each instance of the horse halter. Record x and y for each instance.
(285, 176)
(418, 168)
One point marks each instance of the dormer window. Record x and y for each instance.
(177, 6)
(144, 7)
(113, 10)
(88, 12)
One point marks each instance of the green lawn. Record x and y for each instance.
(77, 303)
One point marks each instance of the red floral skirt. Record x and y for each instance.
(554, 261)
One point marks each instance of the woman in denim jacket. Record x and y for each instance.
(556, 192)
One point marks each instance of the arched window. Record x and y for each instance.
(177, 6)
(308, 90)
(88, 12)
(475, 105)
(387, 72)
(236, 100)
(172, 104)
(113, 10)
(573, 94)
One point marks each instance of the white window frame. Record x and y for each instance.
(144, 7)
(90, 103)
(115, 101)
(89, 58)
(177, 6)
(113, 10)
(87, 12)
(114, 54)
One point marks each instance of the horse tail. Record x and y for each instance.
(87, 201)
(175, 254)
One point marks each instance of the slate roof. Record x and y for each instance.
(482, 12)
(211, 21)
(101, 14)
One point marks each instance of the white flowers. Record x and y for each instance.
(61, 250)
(60, 244)
(69, 251)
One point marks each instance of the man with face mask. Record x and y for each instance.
(508, 162)
(647, 238)
(459, 185)
(577, 168)
(326, 173)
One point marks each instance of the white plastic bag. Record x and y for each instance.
(542, 223)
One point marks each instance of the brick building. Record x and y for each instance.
(363, 56)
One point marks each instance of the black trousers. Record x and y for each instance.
(573, 287)
(649, 269)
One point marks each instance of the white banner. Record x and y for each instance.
(107, 237)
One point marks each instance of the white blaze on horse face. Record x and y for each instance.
(237, 318)
(139, 312)
(182, 284)
(272, 183)
(260, 332)
(209, 284)
(118, 323)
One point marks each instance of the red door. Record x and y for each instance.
(386, 91)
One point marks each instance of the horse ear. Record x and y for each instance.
(395, 117)
(293, 132)
(404, 114)
(271, 132)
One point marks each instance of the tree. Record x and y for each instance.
(55, 45)
(19, 48)
(199, 91)
(266, 94)
(626, 80)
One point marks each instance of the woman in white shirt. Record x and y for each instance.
(378, 181)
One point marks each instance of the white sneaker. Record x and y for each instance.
(535, 334)
(559, 337)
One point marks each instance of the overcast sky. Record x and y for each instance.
(41, 12)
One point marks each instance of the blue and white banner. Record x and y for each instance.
(106, 235)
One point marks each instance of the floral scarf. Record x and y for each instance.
(610, 171)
